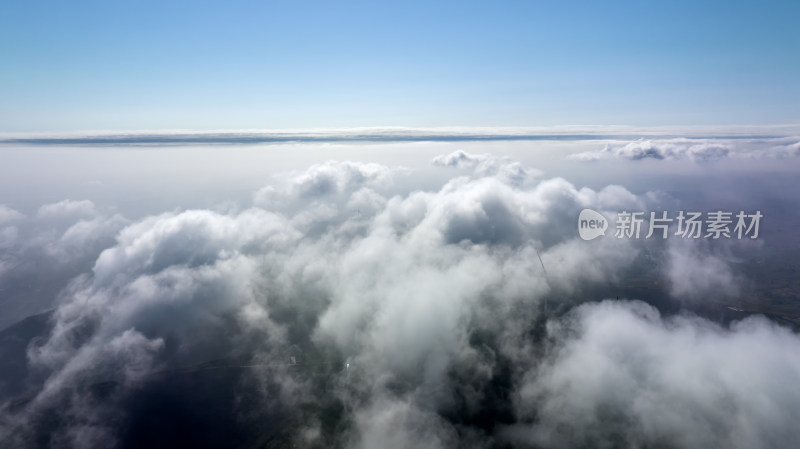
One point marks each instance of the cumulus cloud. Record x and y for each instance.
(328, 189)
(659, 150)
(67, 209)
(176, 284)
(41, 253)
(784, 149)
(697, 150)
(696, 272)
(9, 232)
(487, 165)
(85, 235)
(623, 376)
(424, 310)
(461, 159)
(400, 424)
(8, 214)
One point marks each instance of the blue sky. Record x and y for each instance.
(71, 66)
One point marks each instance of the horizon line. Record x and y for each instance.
(399, 134)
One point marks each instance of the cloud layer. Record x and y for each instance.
(698, 150)
(399, 134)
(623, 375)
(440, 317)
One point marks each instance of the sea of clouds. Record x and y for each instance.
(434, 297)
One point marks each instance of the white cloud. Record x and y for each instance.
(623, 376)
(667, 149)
(698, 150)
(67, 209)
(486, 165)
(407, 286)
(397, 424)
(695, 272)
(8, 214)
